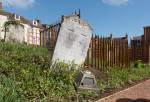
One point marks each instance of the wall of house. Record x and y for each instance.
(3, 19)
(34, 35)
(15, 34)
(26, 27)
(28, 34)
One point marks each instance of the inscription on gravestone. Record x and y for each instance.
(73, 41)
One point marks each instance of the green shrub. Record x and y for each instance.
(139, 64)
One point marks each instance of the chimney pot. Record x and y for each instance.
(1, 6)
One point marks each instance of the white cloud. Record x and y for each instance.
(116, 2)
(18, 3)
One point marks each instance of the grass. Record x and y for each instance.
(27, 75)
(118, 78)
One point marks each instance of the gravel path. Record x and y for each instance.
(140, 91)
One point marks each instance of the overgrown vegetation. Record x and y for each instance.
(26, 75)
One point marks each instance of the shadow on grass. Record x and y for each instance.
(130, 100)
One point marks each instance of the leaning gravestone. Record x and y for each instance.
(73, 41)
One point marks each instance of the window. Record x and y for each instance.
(138, 42)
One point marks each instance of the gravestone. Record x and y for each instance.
(86, 81)
(73, 41)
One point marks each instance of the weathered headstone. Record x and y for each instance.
(73, 40)
(86, 81)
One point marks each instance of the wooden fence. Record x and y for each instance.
(108, 52)
(103, 51)
(49, 36)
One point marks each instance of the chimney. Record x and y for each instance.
(1, 6)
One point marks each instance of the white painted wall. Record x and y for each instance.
(20, 34)
(3, 19)
(26, 27)
(34, 35)
(73, 41)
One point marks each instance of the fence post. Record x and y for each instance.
(98, 51)
(92, 49)
(95, 46)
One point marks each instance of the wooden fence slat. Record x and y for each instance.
(108, 52)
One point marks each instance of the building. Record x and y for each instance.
(29, 33)
(140, 46)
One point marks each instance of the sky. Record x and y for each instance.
(106, 17)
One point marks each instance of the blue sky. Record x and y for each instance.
(105, 16)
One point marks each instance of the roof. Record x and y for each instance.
(116, 39)
(8, 14)
(146, 26)
(121, 38)
(5, 13)
(22, 19)
(137, 38)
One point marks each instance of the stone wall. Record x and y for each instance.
(15, 34)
